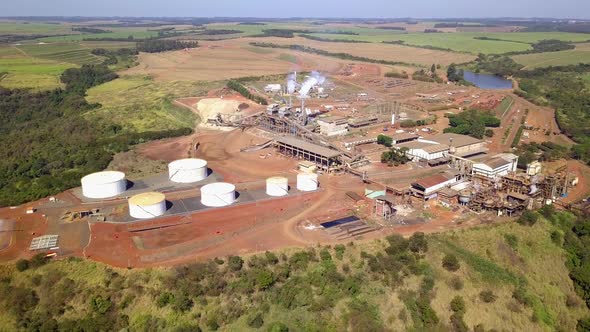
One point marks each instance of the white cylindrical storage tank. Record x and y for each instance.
(104, 184)
(147, 205)
(307, 182)
(187, 170)
(218, 194)
(277, 186)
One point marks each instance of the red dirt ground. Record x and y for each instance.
(113, 243)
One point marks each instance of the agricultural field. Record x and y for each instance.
(581, 54)
(466, 42)
(61, 52)
(123, 34)
(211, 61)
(406, 54)
(23, 71)
(24, 28)
(140, 104)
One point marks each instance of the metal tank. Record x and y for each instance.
(187, 170)
(104, 184)
(147, 205)
(218, 194)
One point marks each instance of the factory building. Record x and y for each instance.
(333, 126)
(498, 165)
(272, 88)
(429, 187)
(422, 151)
(322, 156)
(460, 145)
(352, 142)
(404, 138)
(363, 121)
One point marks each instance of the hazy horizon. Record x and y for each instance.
(420, 9)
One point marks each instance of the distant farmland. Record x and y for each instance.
(62, 52)
(24, 71)
(579, 55)
(380, 51)
(466, 41)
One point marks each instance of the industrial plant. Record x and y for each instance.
(346, 153)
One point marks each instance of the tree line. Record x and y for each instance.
(241, 89)
(163, 45)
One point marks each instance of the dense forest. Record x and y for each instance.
(51, 144)
(563, 89)
(473, 123)
(163, 45)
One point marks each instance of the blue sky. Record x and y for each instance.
(301, 8)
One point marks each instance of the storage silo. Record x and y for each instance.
(104, 184)
(277, 186)
(218, 194)
(147, 205)
(307, 181)
(187, 170)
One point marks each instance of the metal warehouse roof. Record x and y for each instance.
(304, 145)
(458, 140)
(434, 148)
(404, 136)
(432, 181)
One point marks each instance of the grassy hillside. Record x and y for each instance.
(139, 104)
(581, 54)
(507, 277)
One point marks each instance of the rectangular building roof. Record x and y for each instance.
(307, 146)
(413, 145)
(334, 119)
(458, 140)
(404, 136)
(434, 148)
(432, 180)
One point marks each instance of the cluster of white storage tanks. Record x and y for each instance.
(104, 184)
(147, 205)
(187, 170)
(218, 194)
(153, 204)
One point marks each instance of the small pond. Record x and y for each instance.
(486, 81)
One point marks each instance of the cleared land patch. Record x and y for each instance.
(208, 63)
(381, 51)
(581, 54)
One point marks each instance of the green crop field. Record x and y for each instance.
(34, 28)
(115, 34)
(62, 52)
(463, 41)
(571, 57)
(23, 71)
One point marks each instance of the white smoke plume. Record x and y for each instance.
(291, 82)
(314, 79)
